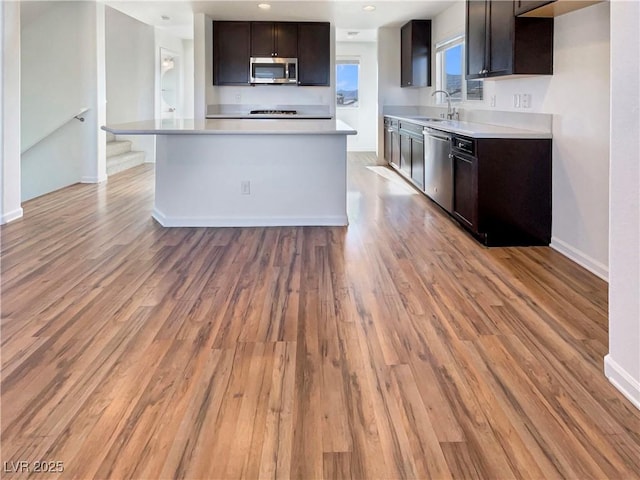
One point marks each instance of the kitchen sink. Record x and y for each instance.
(429, 119)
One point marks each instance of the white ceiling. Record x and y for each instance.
(346, 15)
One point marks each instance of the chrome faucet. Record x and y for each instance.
(450, 111)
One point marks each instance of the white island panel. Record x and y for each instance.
(294, 180)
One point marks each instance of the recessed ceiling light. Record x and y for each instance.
(264, 6)
(165, 18)
(369, 8)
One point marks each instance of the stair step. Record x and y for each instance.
(117, 147)
(124, 161)
(111, 137)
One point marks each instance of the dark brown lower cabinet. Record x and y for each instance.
(501, 186)
(412, 152)
(465, 190)
(387, 142)
(405, 154)
(502, 190)
(391, 142)
(395, 148)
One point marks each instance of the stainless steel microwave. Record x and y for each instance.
(274, 70)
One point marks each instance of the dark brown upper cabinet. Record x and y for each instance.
(231, 53)
(415, 54)
(314, 54)
(274, 39)
(501, 44)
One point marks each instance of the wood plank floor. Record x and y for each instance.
(395, 348)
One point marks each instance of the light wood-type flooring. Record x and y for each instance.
(394, 348)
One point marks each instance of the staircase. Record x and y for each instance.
(120, 156)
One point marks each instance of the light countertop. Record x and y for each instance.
(240, 126)
(474, 130)
(249, 116)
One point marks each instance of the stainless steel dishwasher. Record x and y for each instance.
(438, 167)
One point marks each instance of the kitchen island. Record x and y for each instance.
(245, 172)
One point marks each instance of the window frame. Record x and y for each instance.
(347, 60)
(441, 48)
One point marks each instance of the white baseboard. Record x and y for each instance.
(331, 221)
(622, 380)
(581, 258)
(11, 216)
(100, 179)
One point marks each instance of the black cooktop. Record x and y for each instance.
(273, 112)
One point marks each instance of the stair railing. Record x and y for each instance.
(78, 116)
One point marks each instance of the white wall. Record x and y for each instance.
(202, 67)
(622, 365)
(130, 75)
(189, 78)
(10, 208)
(364, 117)
(184, 49)
(577, 95)
(389, 91)
(96, 166)
(59, 77)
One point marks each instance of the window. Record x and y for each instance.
(450, 72)
(347, 81)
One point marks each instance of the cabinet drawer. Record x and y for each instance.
(464, 144)
(391, 123)
(412, 129)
